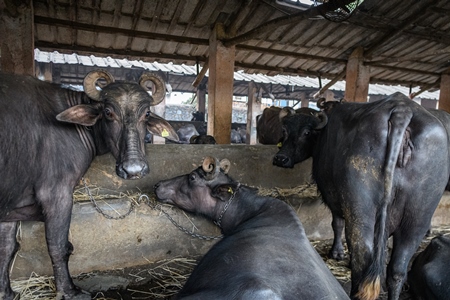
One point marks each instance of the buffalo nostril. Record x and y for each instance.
(281, 160)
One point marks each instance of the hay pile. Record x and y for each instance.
(308, 190)
(165, 278)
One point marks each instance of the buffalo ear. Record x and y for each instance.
(161, 127)
(82, 114)
(224, 192)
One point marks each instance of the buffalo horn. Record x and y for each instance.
(321, 103)
(286, 111)
(209, 165)
(89, 83)
(225, 165)
(323, 120)
(159, 91)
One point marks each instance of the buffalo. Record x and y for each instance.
(381, 168)
(429, 277)
(50, 135)
(202, 139)
(264, 253)
(185, 133)
(268, 124)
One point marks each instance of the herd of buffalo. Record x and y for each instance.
(381, 168)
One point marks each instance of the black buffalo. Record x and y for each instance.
(50, 135)
(268, 124)
(264, 253)
(202, 139)
(185, 133)
(381, 168)
(429, 277)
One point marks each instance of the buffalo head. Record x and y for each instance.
(194, 192)
(120, 116)
(299, 136)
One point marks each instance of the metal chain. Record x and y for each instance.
(195, 235)
(101, 211)
(155, 207)
(219, 220)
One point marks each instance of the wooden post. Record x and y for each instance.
(357, 78)
(160, 110)
(304, 102)
(444, 93)
(220, 87)
(17, 37)
(201, 98)
(254, 109)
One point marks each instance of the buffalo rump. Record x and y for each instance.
(381, 168)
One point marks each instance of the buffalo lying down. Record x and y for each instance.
(264, 253)
(50, 135)
(429, 277)
(381, 167)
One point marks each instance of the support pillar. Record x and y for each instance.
(220, 87)
(304, 102)
(201, 98)
(17, 37)
(357, 78)
(253, 109)
(444, 93)
(160, 110)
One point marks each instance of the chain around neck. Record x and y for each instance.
(219, 220)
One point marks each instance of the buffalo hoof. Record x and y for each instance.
(76, 295)
(337, 254)
(10, 295)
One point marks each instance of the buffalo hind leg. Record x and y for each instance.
(405, 245)
(8, 248)
(337, 250)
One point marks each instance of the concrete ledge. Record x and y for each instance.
(250, 164)
(148, 236)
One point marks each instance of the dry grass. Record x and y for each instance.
(35, 287)
(165, 278)
(308, 190)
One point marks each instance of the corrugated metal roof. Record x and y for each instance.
(405, 42)
(181, 70)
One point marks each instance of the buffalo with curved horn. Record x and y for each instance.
(50, 135)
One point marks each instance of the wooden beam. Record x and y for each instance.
(357, 77)
(201, 75)
(119, 31)
(444, 93)
(17, 37)
(220, 87)
(331, 83)
(291, 54)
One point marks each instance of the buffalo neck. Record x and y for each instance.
(250, 210)
(90, 136)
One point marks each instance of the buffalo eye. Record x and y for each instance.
(192, 177)
(108, 112)
(307, 132)
(147, 114)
